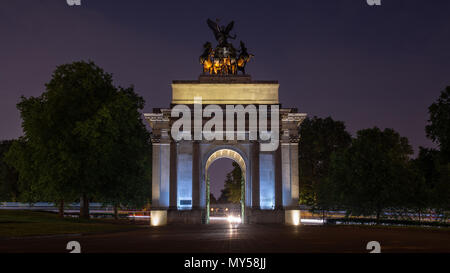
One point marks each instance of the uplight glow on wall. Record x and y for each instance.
(267, 181)
(184, 185)
(292, 217)
(158, 218)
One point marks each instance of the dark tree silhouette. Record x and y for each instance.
(9, 178)
(374, 173)
(320, 138)
(438, 128)
(84, 137)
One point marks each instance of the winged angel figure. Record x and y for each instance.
(221, 33)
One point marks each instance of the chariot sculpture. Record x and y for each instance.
(224, 59)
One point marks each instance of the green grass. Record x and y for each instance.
(19, 223)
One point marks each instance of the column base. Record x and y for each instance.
(292, 217)
(162, 217)
(158, 217)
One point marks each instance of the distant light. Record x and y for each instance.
(233, 219)
(312, 221)
(212, 209)
(139, 216)
(217, 218)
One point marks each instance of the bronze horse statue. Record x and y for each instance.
(205, 58)
(244, 58)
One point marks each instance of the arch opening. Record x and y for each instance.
(226, 212)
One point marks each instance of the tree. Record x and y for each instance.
(232, 191)
(212, 198)
(373, 174)
(435, 172)
(438, 128)
(415, 191)
(427, 164)
(85, 138)
(223, 197)
(319, 139)
(35, 171)
(435, 165)
(9, 178)
(441, 191)
(124, 145)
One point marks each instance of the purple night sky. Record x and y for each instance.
(365, 65)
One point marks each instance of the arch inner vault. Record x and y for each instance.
(236, 157)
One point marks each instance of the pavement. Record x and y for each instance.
(224, 238)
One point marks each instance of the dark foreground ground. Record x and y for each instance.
(222, 238)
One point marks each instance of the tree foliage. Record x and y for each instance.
(9, 184)
(435, 164)
(373, 173)
(83, 137)
(212, 198)
(435, 173)
(232, 190)
(319, 139)
(438, 128)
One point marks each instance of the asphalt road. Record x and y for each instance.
(221, 238)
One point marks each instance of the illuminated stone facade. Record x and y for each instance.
(179, 168)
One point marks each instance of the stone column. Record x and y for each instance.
(184, 175)
(195, 175)
(160, 160)
(156, 178)
(164, 171)
(173, 176)
(278, 180)
(289, 158)
(286, 172)
(255, 175)
(294, 172)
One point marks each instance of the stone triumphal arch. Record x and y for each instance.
(268, 158)
(179, 170)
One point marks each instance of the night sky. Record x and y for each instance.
(365, 65)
